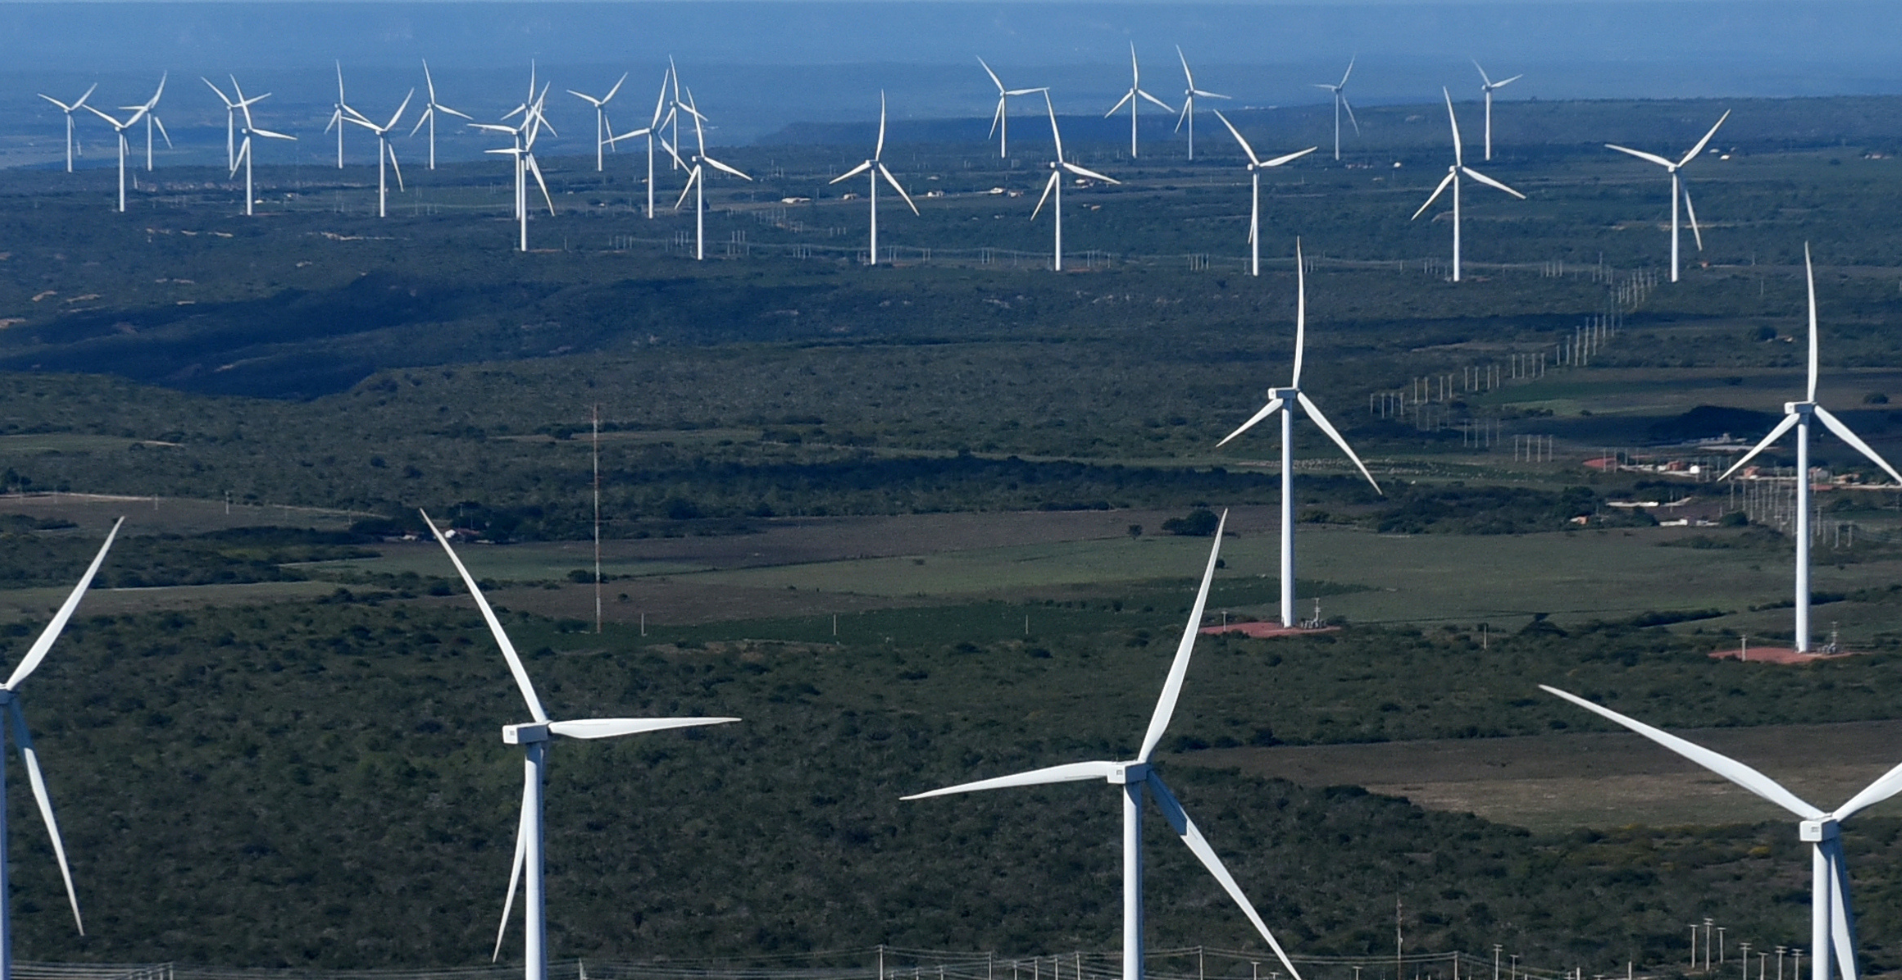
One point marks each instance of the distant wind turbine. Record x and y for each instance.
(23, 740)
(876, 168)
(430, 111)
(1255, 167)
(1452, 177)
(1677, 187)
(1058, 167)
(151, 119)
(1340, 102)
(534, 738)
(652, 130)
(1189, 95)
(119, 129)
(1000, 120)
(1134, 96)
(339, 114)
(232, 106)
(244, 149)
(1284, 400)
(1489, 86)
(523, 153)
(1832, 919)
(603, 132)
(1137, 778)
(68, 111)
(385, 153)
(1797, 415)
(697, 178)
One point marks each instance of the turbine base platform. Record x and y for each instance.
(1777, 655)
(1265, 630)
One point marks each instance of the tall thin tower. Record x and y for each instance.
(595, 417)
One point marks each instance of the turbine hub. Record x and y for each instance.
(1798, 408)
(1129, 772)
(1818, 831)
(1285, 394)
(524, 734)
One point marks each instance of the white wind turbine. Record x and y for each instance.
(1284, 400)
(1189, 95)
(1340, 102)
(661, 116)
(1677, 186)
(151, 119)
(523, 153)
(1488, 87)
(232, 106)
(1255, 167)
(244, 149)
(1058, 167)
(119, 128)
(876, 168)
(384, 153)
(1797, 415)
(1137, 778)
(697, 177)
(1832, 919)
(603, 132)
(10, 701)
(430, 112)
(534, 738)
(1133, 96)
(1453, 177)
(339, 114)
(68, 110)
(1000, 120)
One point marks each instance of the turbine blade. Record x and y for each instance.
(1127, 96)
(1349, 71)
(889, 179)
(32, 760)
(399, 111)
(1437, 191)
(244, 152)
(269, 134)
(1699, 148)
(994, 79)
(1698, 233)
(1067, 773)
(391, 150)
(616, 88)
(1298, 154)
(1482, 74)
(612, 727)
(1509, 81)
(160, 123)
(1192, 835)
(495, 625)
(996, 117)
(717, 165)
(1315, 416)
(1055, 136)
(1300, 313)
(1455, 123)
(427, 112)
(1350, 111)
(1179, 667)
(1722, 765)
(1842, 432)
(37, 653)
(1164, 106)
(693, 174)
(1489, 182)
(1788, 423)
(1093, 175)
(1886, 786)
(515, 874)
(1809, 280)
(1273, 406)
(1842, 918)
(854, 172)
(1238, 138)
(536, 169)
(1642, 155)
(1048, 186)
(444, 108)
(878, 151)
(207, 81)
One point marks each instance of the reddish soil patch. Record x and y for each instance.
(1262, 631)
(1776, 655)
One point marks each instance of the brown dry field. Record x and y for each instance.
(1592, 779)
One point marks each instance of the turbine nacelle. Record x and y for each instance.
(526, 734)
(1128, 773)
(1818, 831)
(1799, 408)
(1284, 394)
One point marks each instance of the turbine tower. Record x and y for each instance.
(1677, 187)
(385, 153)
(1058, 167)
(1340, 102)
(603, 132)
(1797, 415)
(534, 738)
(244, 149)
(1488, 87)
(877, 169)
(1138, 778)
(430, 112)
(1453, 177)
(1284, 400)
(1134, 96)
(1832, 920)
(1000, 120)
(1255, 167)
(1189, 95)
(23, 740)
(68, 110)
(523, 154)
(662, 115)
(697, 178)
(339, 114)
(119, 128)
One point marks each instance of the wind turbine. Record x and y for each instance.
(244, 149)
(1058, 167)
(603, 133)
(523, 153)
(1453, 177)
(1134, 777)
(697, 178)
(876, 168)
(534, 738)
(1488, 88)
(1000, 120)
(1677, 187)
(1832, 920)
(1189, 95)
(1284, 400)
(384, 152)
(151, 119)
(653, 127)
(10, 700)
(231, 117)
(1255, 167)
(1340, 102)
(1797, 415)
(120, 128)
(340, 113)
(69, 110)
(1133, 96)
(430, 112)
